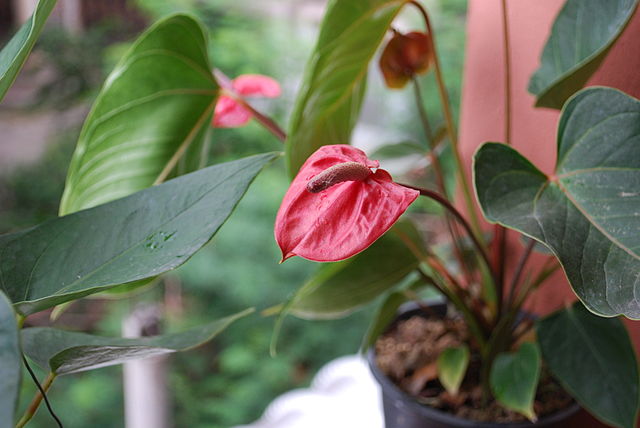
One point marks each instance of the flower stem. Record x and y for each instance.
(459, 217)
(470, 319)
(268, 123)
(437, 168)
(37, 399)
(518, 272)
(444, 98)
(499, 232)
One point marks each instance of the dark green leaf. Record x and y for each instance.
(328, 104)
(337, 289)
(156, 103)
(452, 366)
(588, 212)
(15, 53)
(65, 352)
(581, 37)
(10, 363)
(594, 360)
(514, 379)
(130, 239)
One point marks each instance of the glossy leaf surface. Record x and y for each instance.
(514, 379)
(338, 289)
(594, 360)
(154, 105)
(452, 366)
(581, 37)
(14, 54)
(64, 352)
(130, 239)
(588, 212)
(10, 368)
(329, 101)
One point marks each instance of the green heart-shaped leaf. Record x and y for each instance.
(11, 359)
(130, 239)
(15, 53)
(514, 379)
(452, 366)
(588, 212)
(65, 352)
(594, 360)
(155, 104)
(329, 101)
(581, 37)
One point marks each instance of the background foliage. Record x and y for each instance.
(231, 380)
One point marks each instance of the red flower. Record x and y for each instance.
(337, 206)
(230, 111)
(405, 56)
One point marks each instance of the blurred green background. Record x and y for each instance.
(231, 380)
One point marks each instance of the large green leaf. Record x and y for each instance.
(65, 352)
(588, 212)
(328, 104)
(581, 37)
(594, 360)
(15, 53)
(137, 237)
(514, 379)
(10, 361)
(337, 289)
(154, 105)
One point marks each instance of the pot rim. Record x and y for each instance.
(394, 392)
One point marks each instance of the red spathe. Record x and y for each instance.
(344, 219)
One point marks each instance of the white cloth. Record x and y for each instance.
(343, 394)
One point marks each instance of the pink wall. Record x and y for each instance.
(533, 129)
(482, 115)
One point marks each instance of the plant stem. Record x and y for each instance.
(459, 217)
(268, 123)
(499, 232)
(444, 99)
(518, 272)
(470, 319)
(37, 399)
(437, 168)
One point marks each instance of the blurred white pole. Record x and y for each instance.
(146, 397)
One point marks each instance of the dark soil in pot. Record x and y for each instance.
(404, 362)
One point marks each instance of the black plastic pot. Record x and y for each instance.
(402, 411)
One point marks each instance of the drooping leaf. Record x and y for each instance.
(329, 101)
(338, 289)
(452, 366)
(10, 366)
(594, 360)
(130, 239)
(15, 53)
(588, 212)
(514, 379)
(580, 39)
(64, 352)
(154, 105)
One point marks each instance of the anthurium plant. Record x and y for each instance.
(138, 203)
